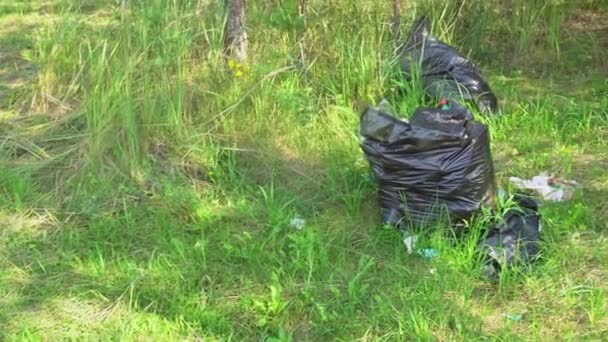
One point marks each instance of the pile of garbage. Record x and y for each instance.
(437, 163)
(443, 71)
(438, 166)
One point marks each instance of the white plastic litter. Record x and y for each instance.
(410, 242)
(548, 187)
(297, 223)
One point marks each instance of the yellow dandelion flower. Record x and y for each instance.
(238, 73)
(231, 64)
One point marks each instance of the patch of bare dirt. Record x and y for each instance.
(588, 21)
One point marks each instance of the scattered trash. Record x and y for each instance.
(515, 317)
(516, 239)
(439, 160)
(444, 72)
(501, 193)
(490, 271)
(428, 253)
(550, 188)
(410, 245)
(410, 242)
(297, 223)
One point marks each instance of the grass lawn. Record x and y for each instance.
(147, 189)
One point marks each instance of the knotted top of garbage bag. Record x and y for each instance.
(430, 124)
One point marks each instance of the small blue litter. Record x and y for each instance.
(428, 253)
(516, 317)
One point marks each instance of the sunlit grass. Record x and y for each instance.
(147, 189)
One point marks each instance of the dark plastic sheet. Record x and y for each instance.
(516, 238)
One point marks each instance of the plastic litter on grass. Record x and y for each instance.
(550, 188)
(297, 223)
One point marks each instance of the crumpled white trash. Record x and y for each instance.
(297, 223)
(548, 187)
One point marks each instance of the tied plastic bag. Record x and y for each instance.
(444, 72)
(516, 239)
(439, 161)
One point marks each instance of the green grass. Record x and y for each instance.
(146, 189)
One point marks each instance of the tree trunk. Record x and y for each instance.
(301, 7)
(235, 35)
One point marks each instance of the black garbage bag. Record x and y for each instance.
(516, 238)
(444, 72)
(437, 163)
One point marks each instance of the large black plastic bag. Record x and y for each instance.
(444, 72)
(516, 239)
(439, 160)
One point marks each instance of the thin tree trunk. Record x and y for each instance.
(235, 35)
(302, 7)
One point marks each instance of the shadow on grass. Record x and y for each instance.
(214, 253)
(181, 257)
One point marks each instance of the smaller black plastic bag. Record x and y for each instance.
(516, 239)
(443, 71)
(437, 163)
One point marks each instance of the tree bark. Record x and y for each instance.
(301, 7)
(235, 35)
